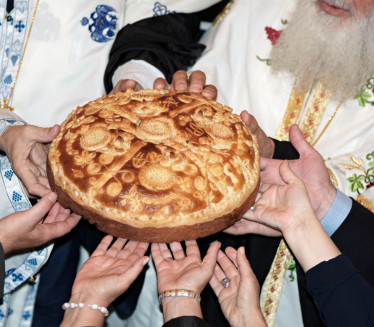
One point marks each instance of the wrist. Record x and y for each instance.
(327, 201)
(86, 298)
(174, 307)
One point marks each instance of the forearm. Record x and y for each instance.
(174, 307)
(310, 244)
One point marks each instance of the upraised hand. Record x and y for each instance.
(110, 270)
(193, 83)
(239, 300)
(186, 271)
(107, 274)
(179, 270)
(27, 150)
(32, 228)
(310, 168)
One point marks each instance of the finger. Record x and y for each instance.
(244, 115)
(210, 258)
(263, 188)
(177, 249)
(37, 212)
(192, 249)
(165, 252)
(128, 277)
(52, 214)
(215, 281)
(133, 250)
(210, 92)
(58, 229)
(156, 254)
(123, 85)
(103, 246)
(301, 145)
(117, 247)
(244, 266)
(160, 84)
(41, 134)
(38, 189)
(231, 254)
(180, 81)
(227, 266)
(196, 81)
(287, 174)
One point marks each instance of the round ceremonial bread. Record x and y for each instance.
(155, 165)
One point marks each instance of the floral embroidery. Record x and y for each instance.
(366, 94)
(364, 179)
(272, 35)
(292, 269)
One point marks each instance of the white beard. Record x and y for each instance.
(316, 46)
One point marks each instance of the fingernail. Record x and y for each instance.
(52, 196)
(242, 250)
(145, 261)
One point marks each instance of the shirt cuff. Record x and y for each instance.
(138, 70)
(337, 213)
(5, 122)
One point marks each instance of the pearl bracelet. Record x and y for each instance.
(184, 293)
(68, 305)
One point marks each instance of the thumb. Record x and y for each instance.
(287, 174)
(245, 116)
(39, 210)
(43, 134)
(300, 143)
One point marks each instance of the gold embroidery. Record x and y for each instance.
(314, 104)
(274, 284)
(358, 164)
(368, 204)
(333, 178)
(223, 13)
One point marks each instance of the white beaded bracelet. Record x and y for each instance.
(183, 293)
(68, 305)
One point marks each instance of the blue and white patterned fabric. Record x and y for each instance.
(20, 268)
(63, 67)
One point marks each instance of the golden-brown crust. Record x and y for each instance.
(153, 234)
(155, 166)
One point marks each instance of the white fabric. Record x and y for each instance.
(244, 82)
(63, 67)
(139, 71)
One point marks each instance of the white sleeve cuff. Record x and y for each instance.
(138, 70)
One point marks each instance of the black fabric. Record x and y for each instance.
(353, 238)
(260, 251)
(168, 42)
(284, 150)
(186, 321)
(56, 279)
(342, 296)
(9, 6)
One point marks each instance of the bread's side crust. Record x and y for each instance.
(152, 234)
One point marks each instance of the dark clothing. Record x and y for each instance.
(343, 297)
(186, 321)
(168, 42)
(354, 238)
